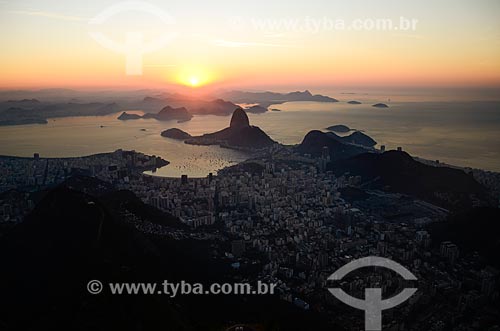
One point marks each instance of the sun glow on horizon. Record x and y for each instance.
(195, 77)
(194, 81)
(50, 45)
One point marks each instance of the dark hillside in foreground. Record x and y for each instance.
(399, 172)
(71, 238)
(314, 142)
(476, 230)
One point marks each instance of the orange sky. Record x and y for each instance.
(456, 43)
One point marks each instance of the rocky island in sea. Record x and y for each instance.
(354, 102)
(175, 133)
(166, 114)
(340, 128)
(239, 135)
(257, 109)
(126, 116)
(169, 113)
(380, 105)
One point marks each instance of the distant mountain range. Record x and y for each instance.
(195, 106)
(32, 111)
(265, 99)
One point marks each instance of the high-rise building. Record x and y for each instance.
(449, 251)
(325, 153)
(382, 247)
(488, 281)
(423, 238)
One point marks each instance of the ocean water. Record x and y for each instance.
(464, 133)
(79, 136)
(460, 133)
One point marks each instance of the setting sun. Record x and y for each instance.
(194, 81)
(195, 76)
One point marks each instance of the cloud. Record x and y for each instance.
(48, 15)
(239, 44)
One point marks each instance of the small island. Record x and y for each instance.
(354, 102)
(380, 105)
(339, 128)
(275, 109)
(166, 114)
(257, 109)
(126, 116)
(175, 133)
(169, 113)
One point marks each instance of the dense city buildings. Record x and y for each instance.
(285, 219)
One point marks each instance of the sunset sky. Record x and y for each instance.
(253, 44)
